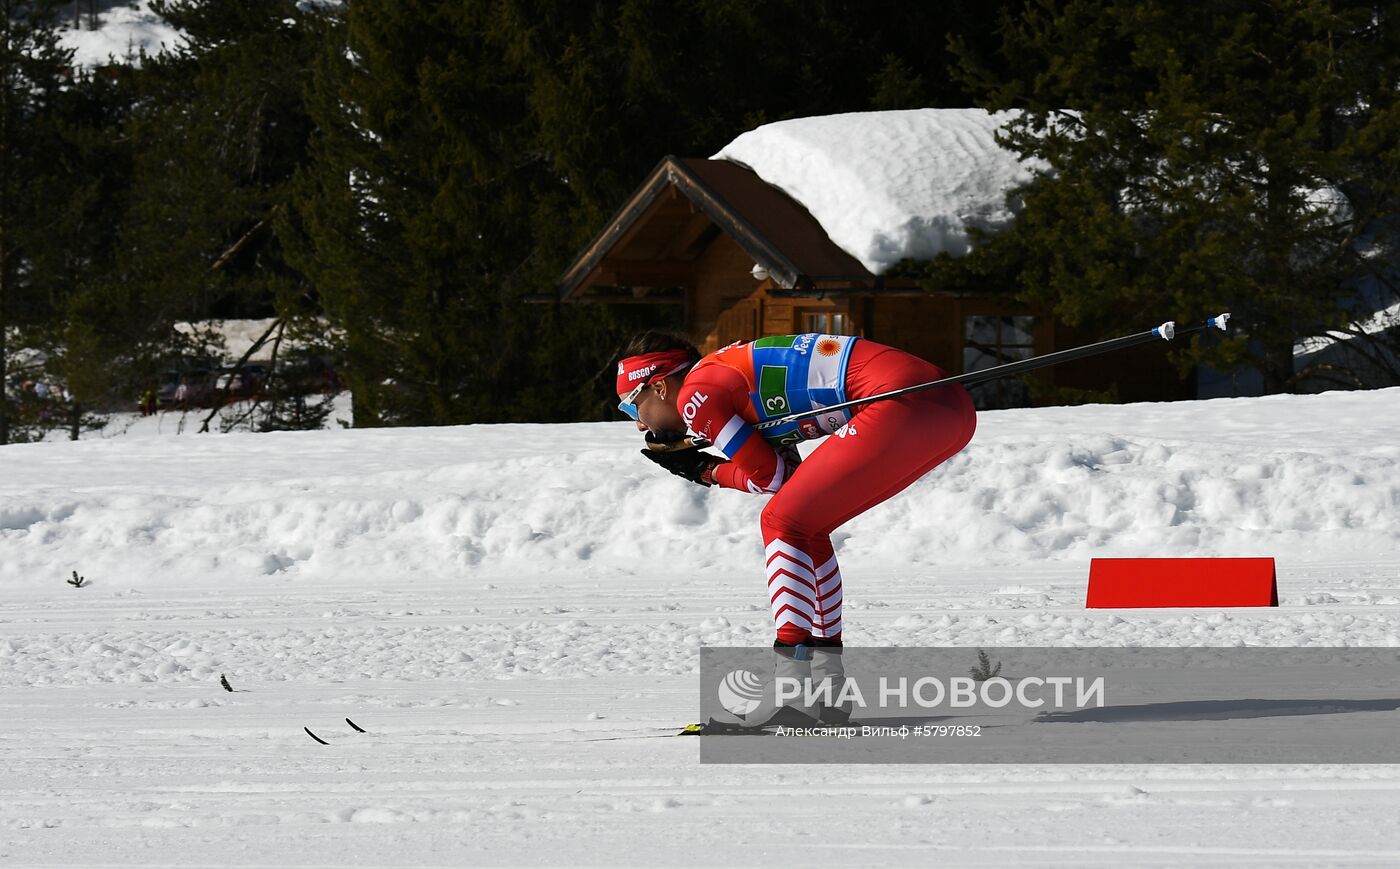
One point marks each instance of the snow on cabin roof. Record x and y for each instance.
(887, 186)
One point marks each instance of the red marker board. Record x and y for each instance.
(1181, 582)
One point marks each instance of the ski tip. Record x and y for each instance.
(358, 728)
(719, 728)
(314, 736)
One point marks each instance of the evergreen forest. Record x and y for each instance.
(396, 183)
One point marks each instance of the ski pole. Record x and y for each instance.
(1166, 332)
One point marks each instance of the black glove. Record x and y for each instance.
(678, 453)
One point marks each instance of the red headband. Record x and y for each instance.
(648, 367)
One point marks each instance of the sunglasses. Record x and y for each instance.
(628, 405)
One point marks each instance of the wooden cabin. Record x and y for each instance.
(744, 260)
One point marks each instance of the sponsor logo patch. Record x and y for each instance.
(692, 407)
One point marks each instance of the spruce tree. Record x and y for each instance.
(218, 130)
(33, 72)
(1203, 157)
(414, 222)
(84, 188)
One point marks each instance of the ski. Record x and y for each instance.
(716, 728)
(357, 728)
(710, 728)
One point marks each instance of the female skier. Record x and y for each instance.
(878, 449)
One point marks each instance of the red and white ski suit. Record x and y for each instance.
(885, 447)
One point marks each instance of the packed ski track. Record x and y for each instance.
(494, 605)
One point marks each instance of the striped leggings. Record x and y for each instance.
(885, 448)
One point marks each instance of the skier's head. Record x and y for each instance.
(649, 378)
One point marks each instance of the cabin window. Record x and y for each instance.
(989, 341)
(827, 323)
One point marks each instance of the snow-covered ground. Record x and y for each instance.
(488, 601)
(120, 30)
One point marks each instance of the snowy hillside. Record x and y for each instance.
(487, 601)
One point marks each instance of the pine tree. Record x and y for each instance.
(33, 71)
(1206, 156)
(84, 192)
(217, 134)
(414, 223)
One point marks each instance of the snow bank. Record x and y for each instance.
(1303, 478)
(238, 335)
(891, 185)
